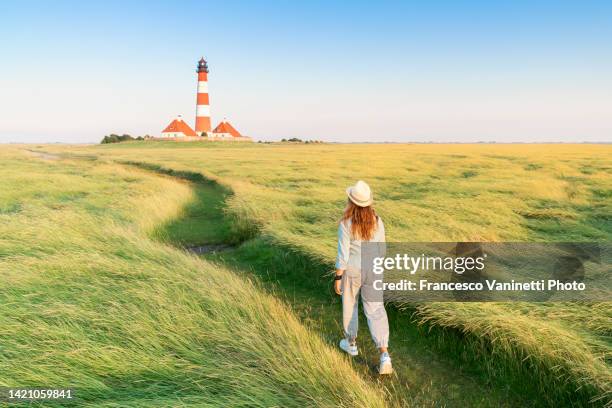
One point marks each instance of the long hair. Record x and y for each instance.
(363, 220)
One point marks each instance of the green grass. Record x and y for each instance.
(293, 195)
(424, 377)
(454, 377)
(90, 301)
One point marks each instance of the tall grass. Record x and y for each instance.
(90, 301)
(294, 195)
(558, 362)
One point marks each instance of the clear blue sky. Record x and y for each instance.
(338, 71)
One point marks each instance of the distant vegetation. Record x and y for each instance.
(297, 140)
(114, 138)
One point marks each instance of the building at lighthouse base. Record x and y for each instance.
(179, 130)
(225, 131)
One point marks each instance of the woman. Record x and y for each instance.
(360, 224)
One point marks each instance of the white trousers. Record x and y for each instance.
(374, 311)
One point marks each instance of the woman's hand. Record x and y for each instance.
(338, 282)
(337, 287)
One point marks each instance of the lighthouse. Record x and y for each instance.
(202, 124)
(179, 130)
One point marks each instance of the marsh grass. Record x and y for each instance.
(90, 301)
(423, 377)
(294, 195)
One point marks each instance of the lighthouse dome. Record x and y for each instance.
(202, 65)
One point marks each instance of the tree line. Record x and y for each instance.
(114, 138)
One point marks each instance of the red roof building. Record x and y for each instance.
(224, 129)
(178, 128)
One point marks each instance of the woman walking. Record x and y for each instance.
(358, 225)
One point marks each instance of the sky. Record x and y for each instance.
(344, 71)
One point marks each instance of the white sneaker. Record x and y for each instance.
(351, 349)
(385, 366)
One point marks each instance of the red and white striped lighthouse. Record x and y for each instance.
(203, 108)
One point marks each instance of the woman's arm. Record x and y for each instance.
(382, 239)
(344, 245)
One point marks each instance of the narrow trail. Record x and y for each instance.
(423, 376)
(208, 248)
(43, 155)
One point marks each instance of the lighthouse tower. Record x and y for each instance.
(202, 124)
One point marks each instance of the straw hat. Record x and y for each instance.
(360, 194)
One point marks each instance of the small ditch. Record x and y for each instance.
(209, 248)
(44, 155)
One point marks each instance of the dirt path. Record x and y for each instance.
(44, 155)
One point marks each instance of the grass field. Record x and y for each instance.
(92, 301)
(287, 199)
